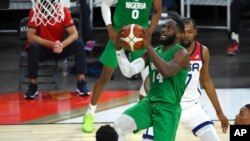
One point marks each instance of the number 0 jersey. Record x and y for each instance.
(132, 11)
(193, 91)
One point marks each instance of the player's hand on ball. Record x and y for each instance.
(147, 39)
(149, 31)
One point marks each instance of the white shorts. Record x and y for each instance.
(194, 116)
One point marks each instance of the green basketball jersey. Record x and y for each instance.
(132, 11)
(167, 90)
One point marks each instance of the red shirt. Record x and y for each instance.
(52, 32)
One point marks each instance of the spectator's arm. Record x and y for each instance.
(72, 36)
(33, 37)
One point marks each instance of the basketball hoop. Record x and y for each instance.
(47, 12)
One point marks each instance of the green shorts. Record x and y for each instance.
(163, 117)
(108, 57)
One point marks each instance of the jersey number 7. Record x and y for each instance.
(189, 77)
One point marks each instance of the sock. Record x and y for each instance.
(91, 109)
(235, 37)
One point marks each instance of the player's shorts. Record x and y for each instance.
(108, 57)
(163, 117)
(193, 116)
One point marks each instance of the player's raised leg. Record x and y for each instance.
(97, 91)
(109, 61)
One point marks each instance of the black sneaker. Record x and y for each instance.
(31, 92)
(82, 88)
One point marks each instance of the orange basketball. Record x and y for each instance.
(132, 37)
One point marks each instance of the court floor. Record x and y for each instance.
(225, 96)
(72, 132)
(65, 123)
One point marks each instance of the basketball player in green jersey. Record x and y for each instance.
(168, 68)
(126, 12)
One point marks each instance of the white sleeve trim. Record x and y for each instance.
(129, 69)
(106, 12)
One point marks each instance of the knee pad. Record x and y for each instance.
(124, 124)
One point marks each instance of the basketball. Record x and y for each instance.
(132, 37)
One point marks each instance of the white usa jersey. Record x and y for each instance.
(192, 91)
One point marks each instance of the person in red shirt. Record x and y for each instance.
(46, 40)
(236, 9)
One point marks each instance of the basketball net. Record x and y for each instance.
(47, 12)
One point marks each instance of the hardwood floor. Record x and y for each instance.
(72, 132)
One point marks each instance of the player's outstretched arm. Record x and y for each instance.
(106, 15)
(128, 69)
(208, 84)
